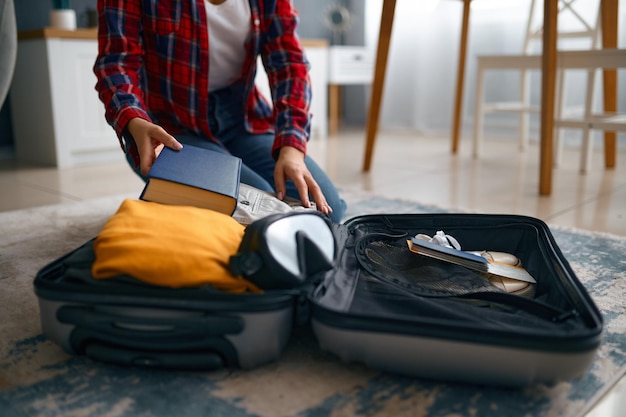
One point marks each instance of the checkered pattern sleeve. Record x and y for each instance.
(287, 68)
(119, 60)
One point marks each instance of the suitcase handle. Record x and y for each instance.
(179, 360)
(147, 327)
(166, 347)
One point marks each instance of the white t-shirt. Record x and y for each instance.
(229, 28)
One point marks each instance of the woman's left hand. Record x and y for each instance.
(290, 165)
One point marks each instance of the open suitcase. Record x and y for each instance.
(359, 310)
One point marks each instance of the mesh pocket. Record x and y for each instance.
(389, 259)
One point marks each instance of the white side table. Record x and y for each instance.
(347, 65)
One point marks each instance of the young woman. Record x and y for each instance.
(175, 72)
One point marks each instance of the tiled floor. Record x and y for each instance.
(407, 166)
(502, 180)
(404, 166)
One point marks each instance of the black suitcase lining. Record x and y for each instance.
(361, 298)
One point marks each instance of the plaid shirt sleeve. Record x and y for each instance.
(119, 62)
(153, 63)
(287, 69)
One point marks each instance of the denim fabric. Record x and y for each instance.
(226, 119)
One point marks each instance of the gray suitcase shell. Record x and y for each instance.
(128, 323)
(384, 336)
(352, 315)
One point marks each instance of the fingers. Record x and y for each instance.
(157, 135)
(147, 156)
(279, 183)
(169, 140)
(318, 197)
(306, 185)
(290, 165)
(150, 139)
(303, 190)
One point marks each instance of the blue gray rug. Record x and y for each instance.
(38, 379)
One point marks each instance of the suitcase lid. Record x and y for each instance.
(561, 317)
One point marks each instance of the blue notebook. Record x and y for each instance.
(195, 176)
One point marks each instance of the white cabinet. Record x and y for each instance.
(58, 118)
(317, 53)
(350, 65)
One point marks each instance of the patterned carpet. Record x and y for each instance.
(37, 378)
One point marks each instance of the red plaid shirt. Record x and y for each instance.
(153, 63)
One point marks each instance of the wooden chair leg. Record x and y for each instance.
(548, 87)
(334, 104)
(384, 39)
(609, 9)
(610, 105)
(587, 145)
(460, 80)
(558, 132)
(479, 114)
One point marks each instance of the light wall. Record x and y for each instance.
(422, 67)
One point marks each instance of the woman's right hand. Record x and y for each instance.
(150, 139)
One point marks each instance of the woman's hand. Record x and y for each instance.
(150, 139)
(290, 165)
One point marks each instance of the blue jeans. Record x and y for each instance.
(226, 119)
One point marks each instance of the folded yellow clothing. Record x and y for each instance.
(171, 246)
